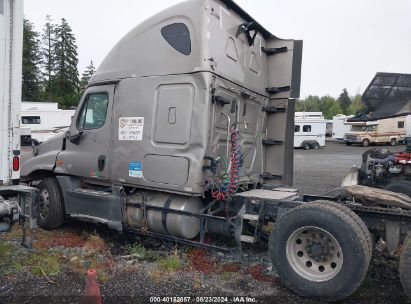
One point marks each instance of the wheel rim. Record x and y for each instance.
(314, 254)
(44, 203)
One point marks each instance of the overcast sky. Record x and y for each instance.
(345, 41)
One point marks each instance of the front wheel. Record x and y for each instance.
(306, 146)
(315, 248)
(366, 142)
(51, 204)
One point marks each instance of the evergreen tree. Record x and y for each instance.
(345, 101)
(49, 60)
(86, 76)
(31, 86)
(66, 82)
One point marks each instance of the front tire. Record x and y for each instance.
(315, 248)
(365, 143)
(51, 204)
(306, 146)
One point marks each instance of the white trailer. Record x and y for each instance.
(17, 202)
(309, 130)
(339, 126)
(44, 120)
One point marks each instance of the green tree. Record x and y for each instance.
(49, 59)
(66, 82)
(86, 76)
(345, 101)
(31, 86)
(329, 106)
(357, 106)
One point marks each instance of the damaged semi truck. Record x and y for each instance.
(187, 129)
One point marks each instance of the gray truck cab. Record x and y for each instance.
(160, 111)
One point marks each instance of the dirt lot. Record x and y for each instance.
(133, 269)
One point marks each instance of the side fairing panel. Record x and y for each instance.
(172, 114)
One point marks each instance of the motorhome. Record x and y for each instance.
(388, 131)
(43, 120)
(309, 130)
(339, 126)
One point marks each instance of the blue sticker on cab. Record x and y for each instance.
(135, 169)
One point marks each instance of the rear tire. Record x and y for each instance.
(316, 146)
(365, 143)
(316, 246)
(51, 204)
(400, 187)
(405, 267)
(393, 142)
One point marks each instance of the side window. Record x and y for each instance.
(297, 129)
(1, 7)
(178, 36)
(307, 128)
(93, 112)
(30, 120)
(401, 125)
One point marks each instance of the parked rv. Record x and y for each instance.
(43, 120)
(339, 126)
(309, 130)
(383, 131)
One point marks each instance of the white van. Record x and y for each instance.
(309, 130)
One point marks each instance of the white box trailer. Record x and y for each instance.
(11, 40)
(17, 202)
(339, 126)
(309, 130)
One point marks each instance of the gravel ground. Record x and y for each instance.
(319, 171)
(215, 274)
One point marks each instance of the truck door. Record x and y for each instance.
(88, 140)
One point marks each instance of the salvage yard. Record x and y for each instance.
(129, 266)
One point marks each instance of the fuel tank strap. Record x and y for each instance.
(164, 215)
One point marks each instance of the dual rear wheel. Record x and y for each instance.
(321, 250)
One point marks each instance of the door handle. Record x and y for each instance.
(101, 163)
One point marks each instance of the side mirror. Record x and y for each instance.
(75, 138)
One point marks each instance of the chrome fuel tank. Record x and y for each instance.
(163, 222)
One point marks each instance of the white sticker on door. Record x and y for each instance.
(130, 128)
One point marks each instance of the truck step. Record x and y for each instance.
(251, 217)
(91, 192)
(247, 239)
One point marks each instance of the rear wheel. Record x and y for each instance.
(393, 142)
(366, 142)
(405, 266)
(400, 187)
(315, 248)
(316, 146)
(51, 204)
